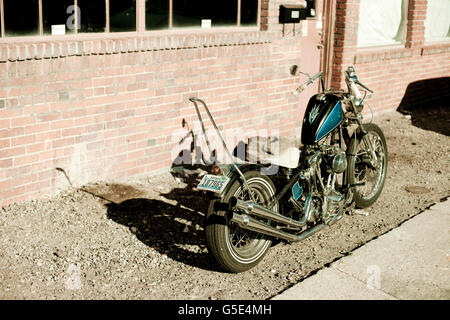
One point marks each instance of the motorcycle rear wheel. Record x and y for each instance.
(361, 171)
(236, 249)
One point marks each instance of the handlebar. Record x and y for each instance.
(351, 78)
(364, 87)
(307, 83)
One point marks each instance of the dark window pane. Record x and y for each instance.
(58, 12)
(249, 12)
(156, 14)
(190, 13)
(21, 19)
(122, 15)
(311, 6)
(92, 15)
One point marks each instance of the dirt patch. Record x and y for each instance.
(145, 240)
(113, 192)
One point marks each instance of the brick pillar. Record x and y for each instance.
(345, 39)
(264, 16)
(417, 13)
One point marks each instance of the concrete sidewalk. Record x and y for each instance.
(409, 262)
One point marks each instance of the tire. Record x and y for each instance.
(236, 249)
(361, 171)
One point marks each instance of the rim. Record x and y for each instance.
(242, 241)
(371, 176)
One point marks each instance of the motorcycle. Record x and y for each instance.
(337, 166)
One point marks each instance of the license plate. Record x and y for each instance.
(213, 183)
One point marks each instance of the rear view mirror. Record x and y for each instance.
(294, 69)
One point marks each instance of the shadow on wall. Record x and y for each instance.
(427, 101)
(198, 153)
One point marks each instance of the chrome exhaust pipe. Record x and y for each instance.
(262, 212)
(249, 223)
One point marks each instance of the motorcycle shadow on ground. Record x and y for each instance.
(169, 227)
(172, 223)
(433, 115)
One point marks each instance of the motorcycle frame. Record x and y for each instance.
(280, 195)
(311, 172)
(295, 177)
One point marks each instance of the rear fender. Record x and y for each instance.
(234, 175)
(216, 203)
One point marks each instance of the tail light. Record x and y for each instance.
(216, 170)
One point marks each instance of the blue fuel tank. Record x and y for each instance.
(323, 114)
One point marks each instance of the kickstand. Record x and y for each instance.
(354, 211)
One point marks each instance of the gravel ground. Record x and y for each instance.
(145, 240)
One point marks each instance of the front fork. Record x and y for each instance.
(369, 147)
(363, 133)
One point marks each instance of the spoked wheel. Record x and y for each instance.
(237, 249)
(368, 176)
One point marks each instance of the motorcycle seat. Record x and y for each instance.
(280, 151)
(289, 158)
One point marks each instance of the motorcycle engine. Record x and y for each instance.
(336, 160)
(334, 163)
(326, 200)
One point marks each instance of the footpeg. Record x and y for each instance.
(360, 212)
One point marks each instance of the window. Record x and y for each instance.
(92, 15)
(381, 22)
(191, 13)
(249, 12)
(59, 17)
(167, 14)
(437, 23)
(157, 14)
(20, 19)
(122, 15)
(54, 13)
(43, 17)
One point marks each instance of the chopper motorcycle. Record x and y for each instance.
(342, 161)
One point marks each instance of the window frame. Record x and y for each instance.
(140, 26)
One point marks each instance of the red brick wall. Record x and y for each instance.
(390, 70)
(106, 109)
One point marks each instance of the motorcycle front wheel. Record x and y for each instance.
(237, 249)
(367, 177)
